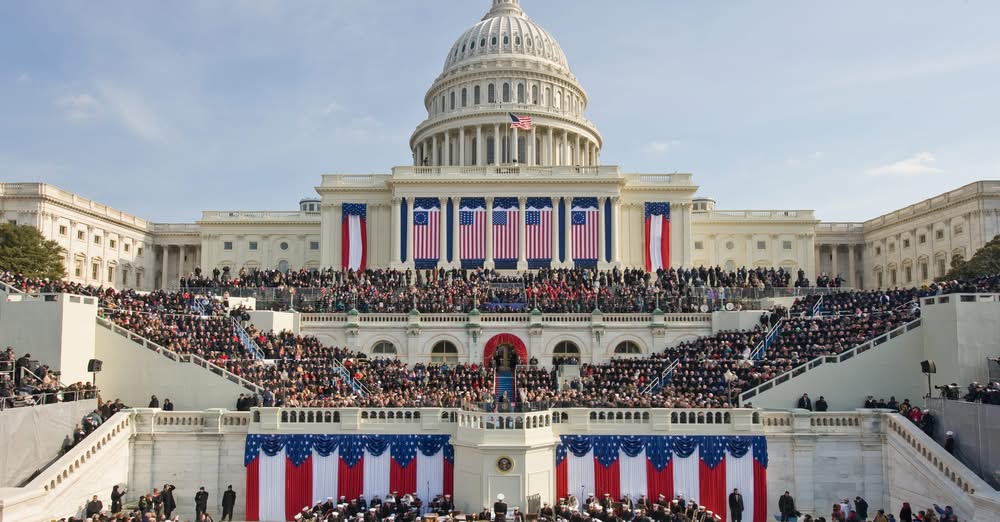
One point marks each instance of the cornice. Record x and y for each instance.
(85, 211)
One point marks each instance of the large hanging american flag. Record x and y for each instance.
(472, 232)
(702, 468)
(520, 122)
(426, 231)
(657, 232)
(505, 224)
(538, 231)
(287, 472)
(584, 227)
(354, 236)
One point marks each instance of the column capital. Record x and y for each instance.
(522, 200)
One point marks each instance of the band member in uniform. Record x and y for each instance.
(500, 509)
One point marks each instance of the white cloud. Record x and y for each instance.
(79, 107)
(134, 113)
(662, 146)
(922, 163)
(795, 161)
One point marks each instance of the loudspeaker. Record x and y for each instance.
(94, 365)
(928, 367)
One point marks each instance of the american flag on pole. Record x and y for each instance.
(426, 229)
(538, 229)
(505, 229)
(585, 227)
(520, 122)
(472, 230)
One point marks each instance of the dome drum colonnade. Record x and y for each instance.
(505, 64)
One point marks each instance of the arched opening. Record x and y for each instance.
(465, 94)
(506, 93)
(628, 348)
(475, 95)
(565, 353)
(491, 94)
(444, 352)
(520, 93)
(283, 266)
(504, 352)
(383, 348)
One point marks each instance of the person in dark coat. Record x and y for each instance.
(200, 502)
(94, 507)
(786, 505)
(116, 498)
(499, 509)
(805, 402)
(861, 506)
(736, 505)
(154, 402)
(821, 404)
(167, 494)
(167, 405)
(228, 501)
(906, 514)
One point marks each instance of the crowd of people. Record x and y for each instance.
(25, 382)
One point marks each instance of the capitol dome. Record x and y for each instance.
(506, 68)
(506, 31)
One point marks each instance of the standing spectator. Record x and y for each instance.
(154, 402)
(805, 402)
(786, 505)
(228, 501)
(167, 495)
(906, 514)
(949, 442)
(736, 505)
(116, 498)
(861, 506)
(821, 404)
(167, 405)
(880, 516)
(94, 507)
(200, 503)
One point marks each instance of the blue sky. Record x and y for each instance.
(165, 109)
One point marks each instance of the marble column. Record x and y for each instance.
(488, 247)
(461, 147)
(394, 228)
(577, 157)
(569, 232)
(443, 232)
(436, 160)
(533, 154)
(851, 277)
(447, 150)
(409, 230)
(515, 150)
(601, 233)
(522, 232)
(834, 269)
(163, 269)
(818, 260)
(549, 150)
(479, 148)
(496, 144)
(335, 230)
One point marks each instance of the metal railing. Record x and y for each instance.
(663, 378)
(43, 398)
(823, 359)
(247, 341)
(178, 357)
(816, 307)
(765, 343)
(345, 374)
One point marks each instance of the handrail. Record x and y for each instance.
(247, 341)
(38, 399)
(658, 382)
(355, 384)
(88, 448)
(815, 308)
(176, 357)
(835, 358)
(9, 289)
(765, 343)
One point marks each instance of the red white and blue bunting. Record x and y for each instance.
(288, 472)
(701, 468)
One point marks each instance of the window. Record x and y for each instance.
(908, 273)
(465, 96)
(482, 42)
(628, 347)
(939, 234)
(957, 230)
(520, 93)
(227, 245)
(940, 268)
(566, 348)
(444, 352)
(472, 45)
(283, 245)
(878, 276)
(138, 280)
(491, 93)
(878, 250)
(78, 268)
(442, 103)
(475, 95)
(506, 40)
(506, 93)
(534, 94)
(383, 348)
(922, 238)
(906, 243)
(517, 40)
(95, 270)
(253, 245)
(81, 235)
(786, 245)
(730, 245)
(762, 245)
(112, 243)
(125, 246)
(698, 245)
(923, 271)
(62, 230)
(892, 277)
(452, 102)
(111, 274)
(314, 245)
(493, 41)
(139, 252)
(892, 247)
(97, 240)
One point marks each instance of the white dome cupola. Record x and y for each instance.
(505, 64)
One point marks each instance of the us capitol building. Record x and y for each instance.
(565, 207)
